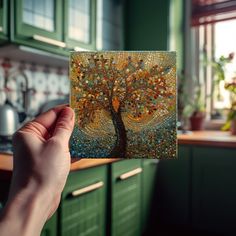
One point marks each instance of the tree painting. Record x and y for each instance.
(123, 95)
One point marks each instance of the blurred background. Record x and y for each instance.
(37, 36)
(194, 195)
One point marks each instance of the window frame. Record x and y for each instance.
(76, 43)
(24, 30)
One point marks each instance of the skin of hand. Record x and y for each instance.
(41, 166)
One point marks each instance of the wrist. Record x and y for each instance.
(26, 212)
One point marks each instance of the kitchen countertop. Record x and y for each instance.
(208, 138)
(203, 138)
(6, 163)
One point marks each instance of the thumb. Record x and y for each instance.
(64, 125)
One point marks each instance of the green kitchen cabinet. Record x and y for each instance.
(143, 32)
(213, 189)
(50, 228)
(149, 174)
(4, 7)
(38, 24)
(125, 218)
(172, 198)
(80, 23)
(83, 204)
(54, 25)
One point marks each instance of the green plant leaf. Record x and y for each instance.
(226, 126)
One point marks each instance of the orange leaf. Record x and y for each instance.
(115, 103)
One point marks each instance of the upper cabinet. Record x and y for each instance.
(80, 23)
(56, 25)
(110, 24)
(3, 20)
(59, 26)
(39, 23)
(40, 14)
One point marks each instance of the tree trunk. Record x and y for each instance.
(119, 149)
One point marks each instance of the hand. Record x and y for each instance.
(41, 166)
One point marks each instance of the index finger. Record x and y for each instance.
(48, 118)
(44, 124)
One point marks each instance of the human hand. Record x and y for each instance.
(41, 166)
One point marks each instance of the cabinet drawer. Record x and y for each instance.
(126, 197)
(83, 209)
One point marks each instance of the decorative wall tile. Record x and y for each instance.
(44, 84)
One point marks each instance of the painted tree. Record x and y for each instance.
(129, 87)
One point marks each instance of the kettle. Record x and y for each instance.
(9, 120)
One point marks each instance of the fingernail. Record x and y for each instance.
(68, 113)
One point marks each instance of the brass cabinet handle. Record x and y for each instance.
(87, 189)
(130, 173)
(49, 41)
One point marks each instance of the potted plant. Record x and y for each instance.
(195, 109)
(231, 117)
(219, 68)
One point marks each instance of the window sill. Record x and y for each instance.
(214, 124)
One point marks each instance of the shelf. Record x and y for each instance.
(31, 55)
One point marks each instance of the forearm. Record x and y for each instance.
(25, 214)
(41, 165)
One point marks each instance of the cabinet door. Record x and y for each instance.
(38, 22)
(80, 23)
(173, 189)
(83, 205)
(148, 189)
(50, 228)
(126, 198)
(3, 19)
(214, 192)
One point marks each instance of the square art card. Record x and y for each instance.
(125, 104)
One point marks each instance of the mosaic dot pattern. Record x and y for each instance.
(125, 104)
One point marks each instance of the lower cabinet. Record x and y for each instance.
(173, 183)
(149, 174)
(107, 200)
(103, 200)
(197, 191)
(83, 204)
(50, 228)
(126, 198)
(213, 190)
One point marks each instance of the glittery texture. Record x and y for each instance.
(125, 104)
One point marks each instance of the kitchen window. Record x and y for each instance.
(110, 25)
(214, 29)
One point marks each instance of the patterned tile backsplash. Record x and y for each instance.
(42, 83)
